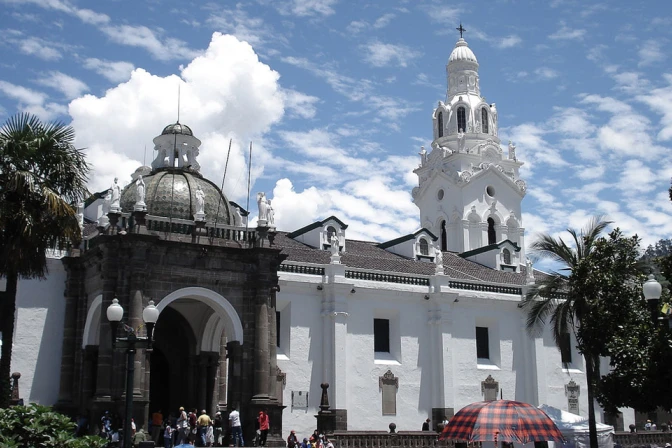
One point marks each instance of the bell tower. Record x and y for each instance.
(469, 191)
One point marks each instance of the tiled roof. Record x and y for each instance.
(367, 255)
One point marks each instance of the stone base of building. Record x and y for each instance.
(341, 419)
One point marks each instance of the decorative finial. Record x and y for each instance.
(461, 29)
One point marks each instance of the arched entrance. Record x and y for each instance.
(188, 366)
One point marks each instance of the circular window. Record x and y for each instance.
(490, 191)
(440, 194)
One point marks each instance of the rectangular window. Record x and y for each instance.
(381, 335)
(566, 348)
(482, 343)
(277, 328)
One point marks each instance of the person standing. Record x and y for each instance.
(292, 440)
(168, 436)
(218, 428)
(236, 430)
(203, 423)
(425, 426)
(182, 427)
(157, 424)
(263, 427)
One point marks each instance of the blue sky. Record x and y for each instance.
(337, 97)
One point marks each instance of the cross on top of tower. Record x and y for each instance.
(461, 29)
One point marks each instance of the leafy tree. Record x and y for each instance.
(566, 300)
(41, 175)
(34, 425)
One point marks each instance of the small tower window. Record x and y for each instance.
(492, 235)
(507, 256)
(444, 237)
(461, 119)
(330, 231)
(424, 247)
(439, 124)
(484, 120)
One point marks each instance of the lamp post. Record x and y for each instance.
(652, 291)
(114, 314)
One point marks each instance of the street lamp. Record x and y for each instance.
(114, 314)
(652, 291)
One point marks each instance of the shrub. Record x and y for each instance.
(38, 426)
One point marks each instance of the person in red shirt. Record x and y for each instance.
(263, 427)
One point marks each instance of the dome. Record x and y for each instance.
(177, 128)
(178, 186)
(462, 52)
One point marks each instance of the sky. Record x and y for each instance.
(337, 98)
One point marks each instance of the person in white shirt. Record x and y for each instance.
(182, 427)
(236, 430)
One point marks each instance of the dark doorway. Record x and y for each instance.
(172, 364)
(444, 237)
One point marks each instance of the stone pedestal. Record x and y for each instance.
(326, 419)
(15, 398)
(199, 229)
(113, 216)
(139, 223)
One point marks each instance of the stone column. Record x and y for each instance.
(222, 374)
(272, 350)
(136, 322)
(202, 381)
(261, 353)
(234, 391)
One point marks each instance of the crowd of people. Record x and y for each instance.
(316, 440)
(188, 428)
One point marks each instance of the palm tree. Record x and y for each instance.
(41, 175)
(560, 299)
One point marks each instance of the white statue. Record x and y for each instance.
(461, 141)
(438, 259)
(423, 156)
(493, 112)
(270, 213)
(237, 217)
(512, 151)
(335, 243)
(115, 191)
(140, 191)
(263, 206)
(80, 215)
(200, 201)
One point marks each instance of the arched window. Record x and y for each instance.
(444, 237)
(507, 256)
(484, 120)
(439, 124)
(424, 247)
(492, 234)
(461, 119)
(330, 231)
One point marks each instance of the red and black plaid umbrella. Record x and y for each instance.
(501, 420)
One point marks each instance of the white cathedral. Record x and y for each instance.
(402, 330)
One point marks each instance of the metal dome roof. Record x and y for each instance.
(177, 128)
(171, 193)
(462, 52)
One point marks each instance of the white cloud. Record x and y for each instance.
(70, 87)
(32, 101)
(356, 26)
(380, 54)
(37, 47)
(383, 21)
(303, 8)
(508, 42)
(251, 29)
(567, 33)
(115, 71)
(546, 73)
(300, 104)
(660, 101)
(85, 15)
(650, 53)
(226, 93)
(143, 37)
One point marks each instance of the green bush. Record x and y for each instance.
(38, 426)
